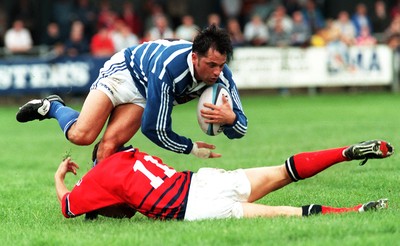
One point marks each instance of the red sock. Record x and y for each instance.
(307, 164)
(332, 210)
(312, 209)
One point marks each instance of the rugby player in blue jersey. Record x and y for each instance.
(138, 87)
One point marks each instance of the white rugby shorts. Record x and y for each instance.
(116, 82)
(217, 193)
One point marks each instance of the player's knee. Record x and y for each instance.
(80, 137)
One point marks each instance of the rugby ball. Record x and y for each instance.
(212, 95)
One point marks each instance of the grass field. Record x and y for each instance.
(278, 128)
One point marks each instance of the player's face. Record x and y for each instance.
(207, 68)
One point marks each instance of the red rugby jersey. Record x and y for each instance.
(135, 178)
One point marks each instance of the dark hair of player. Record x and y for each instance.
(213, 37)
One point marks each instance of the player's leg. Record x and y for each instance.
(305, 165)
(264, 180)
(124, 122)
(251, 210)
(259, 210)
(79, 128)
(92, 118)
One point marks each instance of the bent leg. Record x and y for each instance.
(124, 122)
(264, 180)
(95, 111)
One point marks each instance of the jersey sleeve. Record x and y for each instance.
(157, 120)
(239, 127)
(64, 206)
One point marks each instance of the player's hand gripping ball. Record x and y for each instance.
(212, 95)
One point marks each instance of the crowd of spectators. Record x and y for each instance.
(94, 27)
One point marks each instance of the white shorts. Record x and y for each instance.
(116, 82)
(217, 193)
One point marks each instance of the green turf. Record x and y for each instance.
(278, 128)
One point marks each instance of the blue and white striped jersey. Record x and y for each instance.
(163, 72)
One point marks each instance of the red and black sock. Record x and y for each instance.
(307, 164)
(319, 209)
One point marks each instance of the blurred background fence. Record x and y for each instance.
(58, 46)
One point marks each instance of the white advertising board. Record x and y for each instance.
(296, 67)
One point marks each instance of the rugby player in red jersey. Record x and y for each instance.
(132, 181)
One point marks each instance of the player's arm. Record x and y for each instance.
(157, 121)
(65, 166)
(239, 126)
(233, 119)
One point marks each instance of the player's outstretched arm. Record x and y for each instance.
(65, 166)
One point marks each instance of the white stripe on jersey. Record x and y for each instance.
(153, 70)
(180, 77)
(135, 72)
(161, 122)
(240, 128)
(170, 58)
(235, 96)
(225, 80)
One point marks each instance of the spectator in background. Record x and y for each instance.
(279, 15)
(187, 30)
(262, 8)
(394, 43)
(279, 36)
(320, 38)
(347, 30)
(85, 12)
(365, 38)
(380, 19)
(18, 39)
(106, 16)
(153, 11)
(291, 6)
(231, 9)
(395, 10)
(122, 36)
(161, 29)
(361, 19)
(338, 54)
(392, 30)
(235, 32)
(131, 18)
(3, 23)
(101, 44)
(214, 19)
(256, 31)
(52, 39)
(301, 33)
(52, 35)
(175, 10)
(76, 44)
(313, 16)
(62, 13)
(26, 11)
